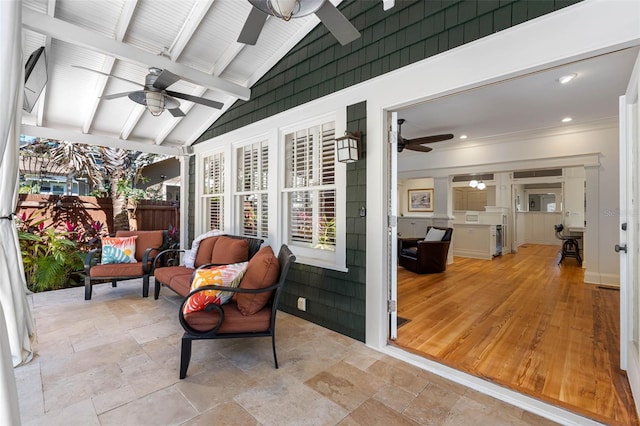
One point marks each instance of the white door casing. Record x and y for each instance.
(392, 146)
(630, 233)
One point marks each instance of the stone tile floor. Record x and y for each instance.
(114, 360)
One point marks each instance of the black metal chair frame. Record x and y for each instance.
(92, 258)
(285, 259)
(570, 246)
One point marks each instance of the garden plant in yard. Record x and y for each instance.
(52, 257)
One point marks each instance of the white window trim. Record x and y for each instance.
(271, 196)
(335, 260)
(200, 225)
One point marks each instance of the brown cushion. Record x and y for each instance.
(263, 271)
(230, 250)
(234, 320)
(204, 251)
(181, 284)
(116, 270)
(145, 240)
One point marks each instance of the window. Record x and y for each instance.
(310, 191)
(251, 194)
(213, 194)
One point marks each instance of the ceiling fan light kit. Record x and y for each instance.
(154, 102)
(283, 9)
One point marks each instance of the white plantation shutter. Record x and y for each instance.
(310, 187)
(214, 191)
(251, 190)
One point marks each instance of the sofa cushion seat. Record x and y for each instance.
(234, 320)
(116, 270)
(166, 274)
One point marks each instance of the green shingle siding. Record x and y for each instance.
(318, 66)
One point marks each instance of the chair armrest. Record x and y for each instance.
(147, 257)
(404, 243)
(91, 259)
(431, 250)
(164, 253)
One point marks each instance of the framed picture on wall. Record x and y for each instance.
(421, 200)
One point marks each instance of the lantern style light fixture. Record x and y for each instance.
(481, 185)
(348, 147)
(154, 102)
(473, 183)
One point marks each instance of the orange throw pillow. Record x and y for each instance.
(230, 250)
(263, 271)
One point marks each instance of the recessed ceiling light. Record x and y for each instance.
(567, 119)
(463, 136)
(567, 78)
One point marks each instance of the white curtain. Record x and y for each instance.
(16, 322)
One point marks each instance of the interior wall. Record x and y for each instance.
(551, 150)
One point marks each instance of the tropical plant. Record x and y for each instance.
(51, 257)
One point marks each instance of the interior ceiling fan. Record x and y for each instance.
(417, 143)
(330, 16)
(154, 95)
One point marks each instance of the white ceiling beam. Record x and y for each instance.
(70, 33)
(132, 121)
(196, 15)
(121, 29)
(98, 140)
(51, 9)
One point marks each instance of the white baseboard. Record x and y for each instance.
(611, 280)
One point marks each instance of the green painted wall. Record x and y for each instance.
(336, 300)
(318, 66)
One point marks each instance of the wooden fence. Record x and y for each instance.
(82, 211)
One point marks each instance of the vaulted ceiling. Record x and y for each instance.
(194, 39)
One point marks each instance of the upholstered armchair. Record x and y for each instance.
(426, 255)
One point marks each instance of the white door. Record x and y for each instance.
(392, 147)
(630, 233)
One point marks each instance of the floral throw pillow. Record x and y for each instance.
(223, 276)
(119, 250)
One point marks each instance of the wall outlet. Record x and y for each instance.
(302, 303)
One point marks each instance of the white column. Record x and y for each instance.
(443, 207)
(591, 236)
(184, 201)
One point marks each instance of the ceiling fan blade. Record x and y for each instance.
(177, 112)
(337, 23)
(108, 75)
(165, 79)
(196, 99)
(429, 139)
(252, 27)
(420, 148)
(115, 96)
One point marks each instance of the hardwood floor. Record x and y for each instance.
(526, 323)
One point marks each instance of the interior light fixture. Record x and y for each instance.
(567, 78)
(283, 9)
(481, 185)
(567, 119)
(348, 147)
(463, 136)
(473, 183)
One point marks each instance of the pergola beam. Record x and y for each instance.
(98, 140)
